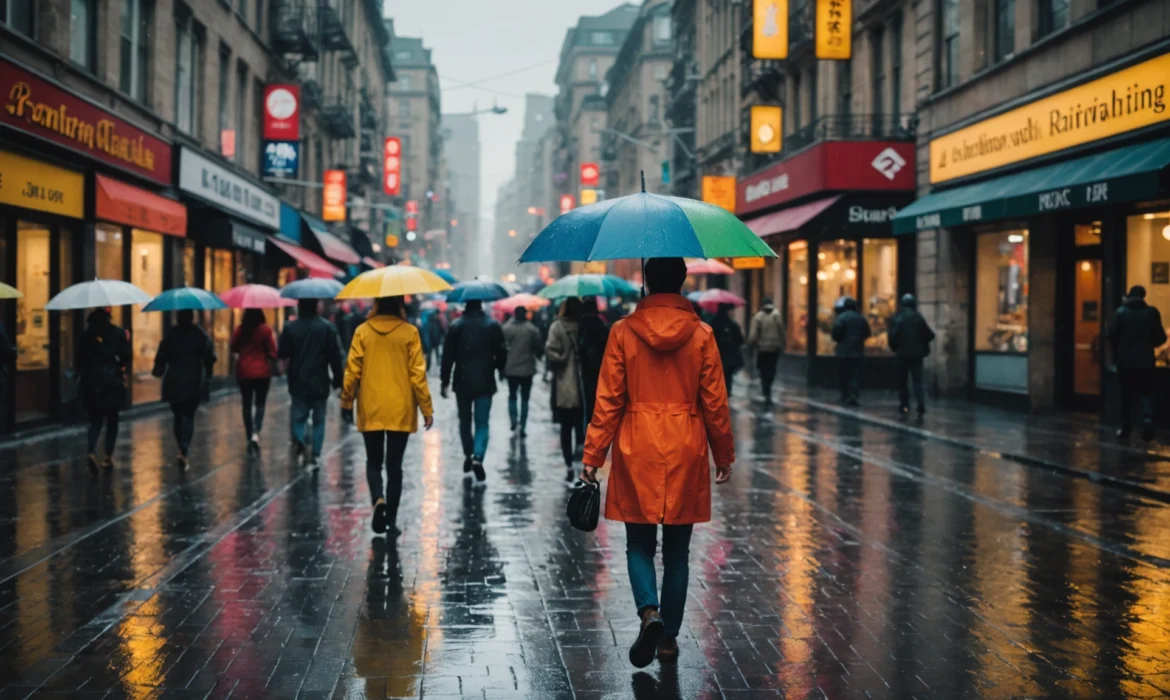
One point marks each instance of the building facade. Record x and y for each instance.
(461, 153)
(681, 86)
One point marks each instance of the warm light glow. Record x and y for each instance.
(1148, 217)
(804, 279)
(1016, 238)
(531, 210)
(377, 247)
(822, 275)
(454, 222)
(512, 233)
(1166, 232)
(820, 256)
(850, 274)
(1086, 266)
(835, 267)
(510, 277)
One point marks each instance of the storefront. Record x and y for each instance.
(231, 217)
(827, 213)
(1051, 248)
(329, 245)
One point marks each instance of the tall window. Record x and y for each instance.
(1001, 292)
(896, 64)
(226, 148)
(948, 48)
(877, 45)
(135, 54)
(879, 290)
(188, 59)
(662, 29)
(241, 109)
(83, 33)
(18, 15)
(836, 278)
(1147, 248)
(1053, 16)
(259, 21)
(1005, 29)
(797, 324)
(812, 94)
(403, 82)
(652, 111)
(404, 108)
(592, 68)
(601, 38)
(845, 88)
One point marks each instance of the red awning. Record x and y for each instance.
(373, 263)
(791, 219)
(121, 203)
(307, 259)
(336, 249)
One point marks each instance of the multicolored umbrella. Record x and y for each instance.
(587, 285)
(98, 294)
(477, 290)
(312, 288)
(393, 281)
(708, 267)
(185, 299)
(255, 296)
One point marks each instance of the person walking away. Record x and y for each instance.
(473, 353)
(850, 329)
(7, 359)
(660, 432)
(568, 387)
(103, 356)
(766, 337)
(1135, 332)
(524, 349)
(435, 333)
(185, 361)
(255, 346)
(346, 321)
(311, 348)
(387, 375)
(729, 340)
(593, 335)
(909, 338)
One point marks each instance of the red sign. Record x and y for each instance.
(590, 174)
(835, 166)
(125, 204)
(411, 224)
(282, 112)
(333, 203)
(567, 203)
(411, 206)
(392, 166)
(36, 106)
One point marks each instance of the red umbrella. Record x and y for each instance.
(255, 296)
(528, 301)
(712, 298)
(708, 267)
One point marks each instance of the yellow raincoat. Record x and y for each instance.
(387, 374)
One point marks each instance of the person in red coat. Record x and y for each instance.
(255, 346)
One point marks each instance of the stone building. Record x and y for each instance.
(461, 151)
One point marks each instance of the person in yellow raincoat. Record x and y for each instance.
(387, 375)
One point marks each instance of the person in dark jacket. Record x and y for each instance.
(594, 336)
(185, 360)
(312, 349)
(849, 333)
(7, 358)
(103, 356)
(524, 349)
(473, 354)
(1135, 333)
(433, 334)
(255, 345)
(909, 338)
(347, 321)
(729, 340)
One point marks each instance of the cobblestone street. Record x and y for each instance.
(846, 559)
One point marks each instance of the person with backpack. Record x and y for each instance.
(1135, 332)
(729, 340)
(766, 337)
(909, 338)
(255, 346)
(185, 360)
(568, 387)
(103, 358)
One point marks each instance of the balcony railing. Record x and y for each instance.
(369, 113)
(294, 28)
(334, 35)
(338, 111)
(311, 93)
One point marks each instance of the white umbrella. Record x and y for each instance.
(98, 294)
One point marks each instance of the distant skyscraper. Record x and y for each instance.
(469, 254)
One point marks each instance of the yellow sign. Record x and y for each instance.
(747, 263)
(391, 241)
(834, 30)
(1123, 101)
(767, 122)
(31, 184)
(588, 197)
(770, 30)
(594, 267)
(719, 191)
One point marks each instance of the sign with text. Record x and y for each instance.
(590, 175)
(219, 186)
(770, 30)
(411, 206)
(392, 166)
(767, 127)
(282, 113)
(747, 263)
(38, 107)
(31, 184)
(281, 159)
(834, 30)
(719, 191)
(333, 196)
(1128, 99)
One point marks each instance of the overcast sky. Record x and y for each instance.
(473, 40)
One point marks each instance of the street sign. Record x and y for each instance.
(767, 123)
(282, 113)
(392, 166)
(666, 172)
(719, 191)
(333, 197)
(770, 30)
(281, 159)
(834, 30)
(590, 174)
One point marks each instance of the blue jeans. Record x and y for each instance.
(641, 543)
(523, 387)
(481, 406)
(299, 415)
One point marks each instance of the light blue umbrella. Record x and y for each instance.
(185, 298)
(446, 276)
(96, 295)
(312, 288)
(477, 290)
(587, 285)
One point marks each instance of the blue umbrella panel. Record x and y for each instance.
(185, 299)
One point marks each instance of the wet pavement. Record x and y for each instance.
(846, 559)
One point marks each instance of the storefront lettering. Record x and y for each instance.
(973, 213)
(246, 242)
(1056, 199)
(766, 187)
(235, 192)
(860, 215)
(1097, 192)
(928, 221)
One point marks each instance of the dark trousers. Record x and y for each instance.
(729, 376)
(183, 413)
(910, 368)
(849, 368)
(107, 415)
(474, 412)
(641, 543)
(571, 419)
(385, 446)
(766, 366)
(255, 395)
(1136, 384)
(519, 387)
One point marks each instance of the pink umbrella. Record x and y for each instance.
(708, 267)
(712, 298)
(255, 296)
(528, 301)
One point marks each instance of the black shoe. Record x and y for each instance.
(477, 467)
(467, 465)
(182, 462)
(1148, 431)
(514, 427)
(380, 517)
(92, 461)
(570, 475)
(921, 411)
(644, 647)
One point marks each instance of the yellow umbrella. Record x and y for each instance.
(7, 292)
(393, 281)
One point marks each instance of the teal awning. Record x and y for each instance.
(1126, 174)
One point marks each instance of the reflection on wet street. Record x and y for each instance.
(845, 560)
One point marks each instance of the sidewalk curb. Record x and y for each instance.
(1026, 460)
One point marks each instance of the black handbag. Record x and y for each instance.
(584, 506)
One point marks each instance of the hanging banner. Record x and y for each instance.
(590, 175)
(588, 196)
(333, 202)
(770, 30)
(834, 30)
(719, 191)
(767, 124)
(280, 159)
(392, 166)
(282, 113)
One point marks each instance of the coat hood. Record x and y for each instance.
(1135, 303)
(385, 323)
(664, 321)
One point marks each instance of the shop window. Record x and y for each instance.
(1001, 292)
(146, 272)
(32, 381)
(107, 258)
(879, 290)
(1147, 263)
(1088, 234)
(67, 338)
(797, 326)
(189, 279)
(218, 278)
(836, 279)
